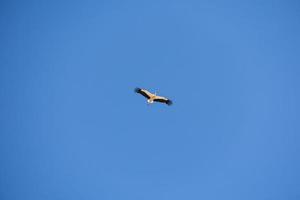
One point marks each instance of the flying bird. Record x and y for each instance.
(153, 97)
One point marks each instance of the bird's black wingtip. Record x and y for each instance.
(137, 89)
(169, 102)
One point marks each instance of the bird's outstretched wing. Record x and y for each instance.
(143, 92)
(163, 100)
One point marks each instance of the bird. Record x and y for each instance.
(153, 97)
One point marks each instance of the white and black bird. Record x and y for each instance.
(153, 97)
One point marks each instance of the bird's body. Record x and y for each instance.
(151, 98)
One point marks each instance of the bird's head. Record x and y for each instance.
(149, 101)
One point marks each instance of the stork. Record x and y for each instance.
(153, 97)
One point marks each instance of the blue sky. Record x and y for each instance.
(72, 127)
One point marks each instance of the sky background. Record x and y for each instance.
(71, 126)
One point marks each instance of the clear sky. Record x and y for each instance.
(73, 128)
